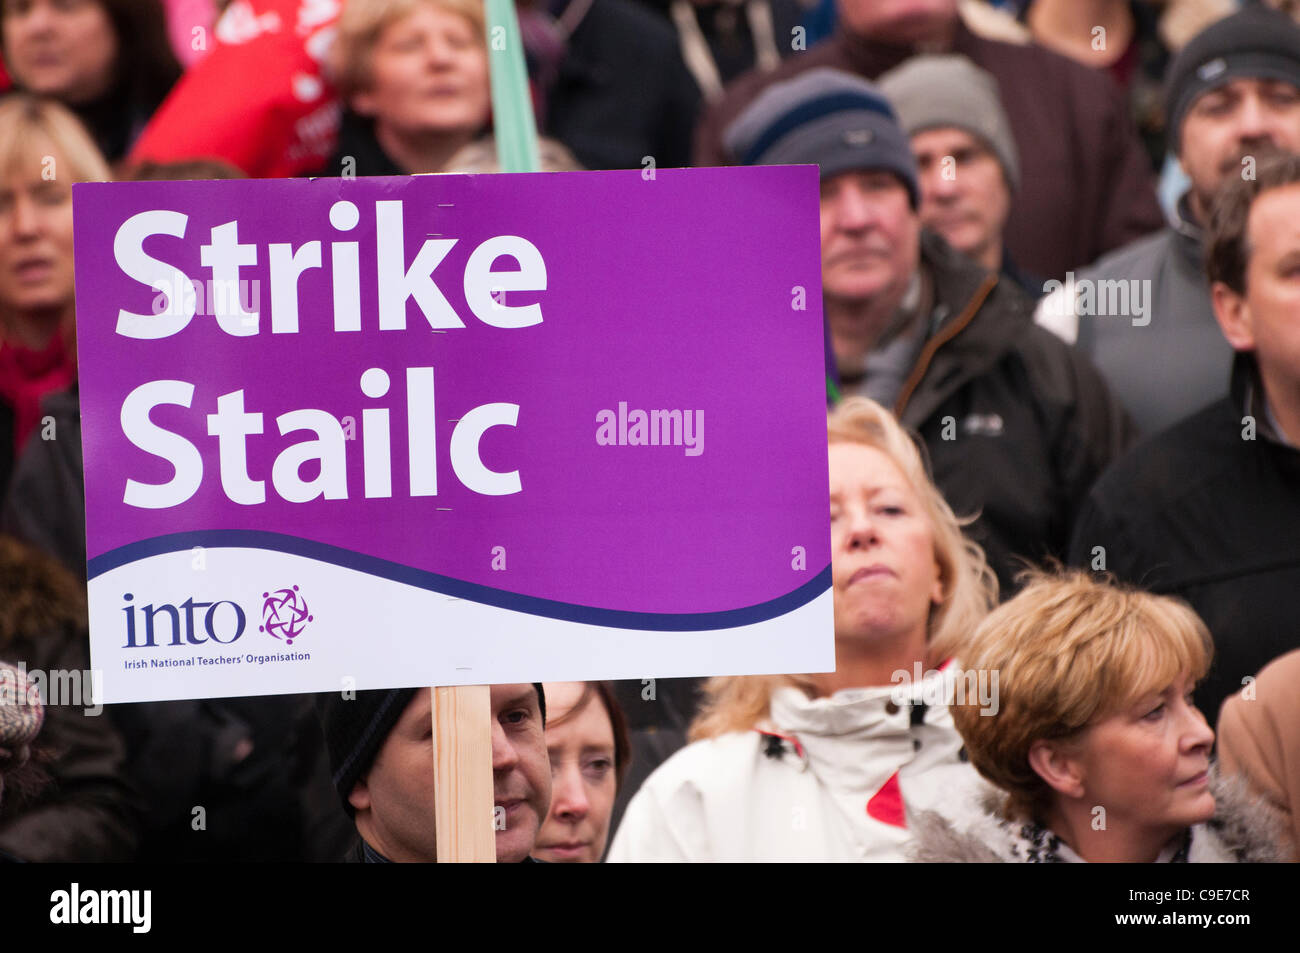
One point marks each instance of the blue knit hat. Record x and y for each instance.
(825, 117)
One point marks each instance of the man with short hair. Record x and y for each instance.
(966, 157)
(1208, 510)
(1142, 314)
(1016, 424)
(381, 755)
(1086, 183)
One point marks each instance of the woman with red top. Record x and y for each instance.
(43, 151)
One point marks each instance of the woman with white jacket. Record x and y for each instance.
(825, 767)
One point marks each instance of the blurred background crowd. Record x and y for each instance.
(1061, 286)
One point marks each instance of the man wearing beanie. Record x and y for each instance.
(1017, 425)
(1232, 97)
(967, 162)
(381, 755)
(1086, 182)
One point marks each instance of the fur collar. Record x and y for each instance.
(1242, 830)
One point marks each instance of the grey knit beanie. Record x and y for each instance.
(934, 91)
(825, 117)
(1257, 42)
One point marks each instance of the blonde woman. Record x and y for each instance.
(823, 767)
(44, 149)
(1096, 749)
(413, 76)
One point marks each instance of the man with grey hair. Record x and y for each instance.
(1142, 314)
(1016, 424)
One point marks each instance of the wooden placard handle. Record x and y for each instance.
(462, 774)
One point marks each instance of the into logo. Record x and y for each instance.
(284, 614)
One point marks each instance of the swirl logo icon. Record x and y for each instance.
(284, 614)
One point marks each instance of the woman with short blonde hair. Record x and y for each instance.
(413, 76)
(1095, 747)
(825, 766)
(362, 22)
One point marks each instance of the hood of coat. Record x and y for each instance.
(847, 737)
(1242, 830)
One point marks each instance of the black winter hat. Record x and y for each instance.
(356, 728)
(1256, 42)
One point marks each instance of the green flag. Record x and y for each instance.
(512, 107)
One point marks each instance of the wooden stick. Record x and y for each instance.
(462, 774)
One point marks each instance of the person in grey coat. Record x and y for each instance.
(1142, 313)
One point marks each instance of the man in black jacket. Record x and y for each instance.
(1209, 510)
(1016, 424)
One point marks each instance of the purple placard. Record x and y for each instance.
(590, 401)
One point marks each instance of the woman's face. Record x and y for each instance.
(428, 74)
(65, 49)
(36, 270)
(583, 781)
(1148, 765)
(882, 549)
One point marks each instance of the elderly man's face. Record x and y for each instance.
(1242, 117)
(394, 801)
(870, 237)
(899, 22)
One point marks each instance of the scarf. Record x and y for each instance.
(27, 376)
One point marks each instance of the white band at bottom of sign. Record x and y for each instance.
(233, 621)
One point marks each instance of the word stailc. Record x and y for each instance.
(396, 283)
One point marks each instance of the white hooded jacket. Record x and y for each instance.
(826, 779)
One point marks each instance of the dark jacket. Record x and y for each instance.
(7, 455)
(1086, 185)
(87, 811)
(1017, 425)
(255, 765)
(728, 30)
(1207, 512)
(358, 152)
(623, 92)
(659, 713)
(1172, 359)
(46, 504)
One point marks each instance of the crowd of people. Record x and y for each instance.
(1061, 291)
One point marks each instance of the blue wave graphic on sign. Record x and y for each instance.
(458, 588)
